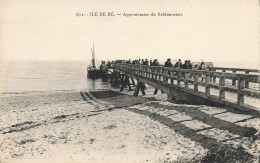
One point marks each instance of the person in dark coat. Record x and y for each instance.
(146, 62)
(168, 63)
(142, 62)
(109, 64)
(151, 63)
(185, 65)
(189, 64)
(178, 64)
(155, 62)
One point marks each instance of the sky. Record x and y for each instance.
(219, 31)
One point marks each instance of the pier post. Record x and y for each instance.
(155, 91)
(146, 72)
(163, 77)
(221, 89)
(156, 74)
(139, 85)
(125, 82)
(247, 83)
(122, 76)
(142, 86)
(214, 77)
(133, 82)
(117, 75)
(186, 76)
(118, 78)
(196, 77)
(128, 83)
(240, 97)
(167, 72)
(152, 71)
(113, 76)
(178, 80)
(233, 80)
(136, 92)
(172, 73)
(166, 78)
(207, 87)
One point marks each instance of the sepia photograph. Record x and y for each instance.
(109, 81)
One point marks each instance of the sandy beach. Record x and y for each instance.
(107, 126)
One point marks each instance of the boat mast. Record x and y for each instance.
(93, 57)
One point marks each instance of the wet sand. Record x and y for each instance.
(107, 126)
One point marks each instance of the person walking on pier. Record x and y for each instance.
(168, 63)
(151, 63)
(189, 65)
(109, 64)
(202, 67)
(155, 62)
(178, 64)
(146, 62)
(185, 65)
(139, 62)
(142, 62)
(143, 87)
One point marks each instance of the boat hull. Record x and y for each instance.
(94, 74)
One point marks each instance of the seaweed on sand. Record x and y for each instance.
(221, 154)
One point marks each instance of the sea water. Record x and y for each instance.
(26, 76)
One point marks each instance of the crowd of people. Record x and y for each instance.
(186, 65)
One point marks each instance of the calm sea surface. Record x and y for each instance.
(23, 76)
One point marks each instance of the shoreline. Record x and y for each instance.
(104, 125)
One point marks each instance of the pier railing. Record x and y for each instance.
(210, 84)
(237, 70)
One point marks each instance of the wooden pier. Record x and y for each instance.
(208, 87)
